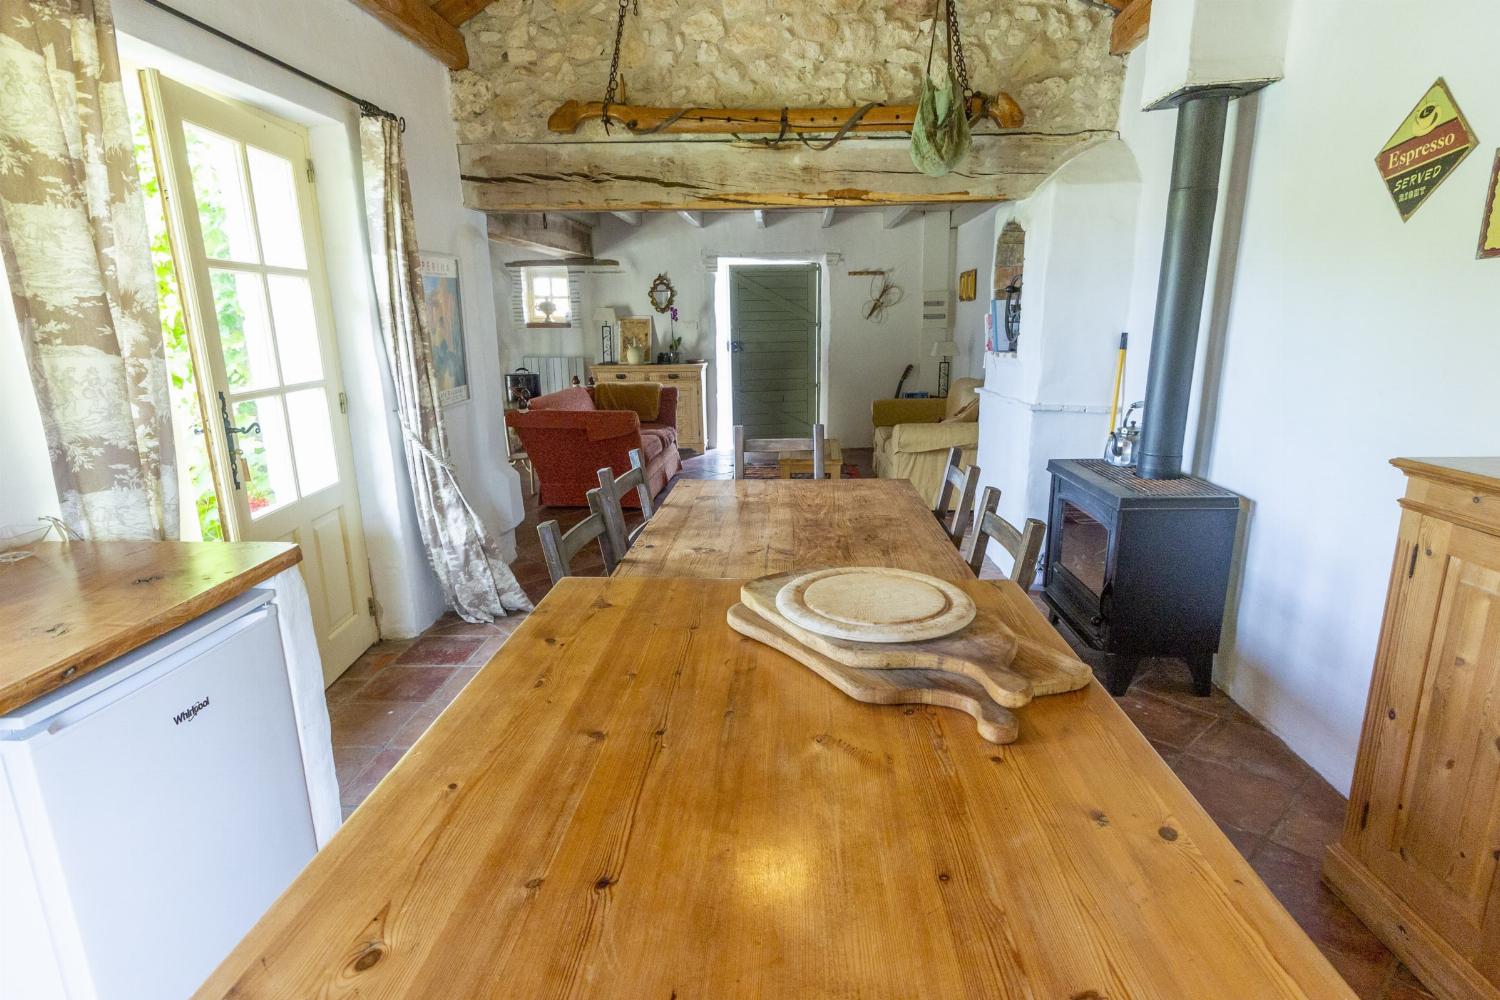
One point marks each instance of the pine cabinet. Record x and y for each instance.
(692, 416)
(1419, 857)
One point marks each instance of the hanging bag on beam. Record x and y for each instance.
(940, 136)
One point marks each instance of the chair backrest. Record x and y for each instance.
(1024, 545)
(611, 489)
(559, 547)
(813, 444)
(966, 482)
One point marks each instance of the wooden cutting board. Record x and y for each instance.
(1011, 669)
(875, 604)
(887, 687)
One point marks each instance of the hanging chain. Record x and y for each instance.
(956, 50)
(612, 90)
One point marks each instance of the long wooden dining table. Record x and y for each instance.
(632, 800)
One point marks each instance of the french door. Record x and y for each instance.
(243, 226)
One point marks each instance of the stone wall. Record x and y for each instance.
(528, 56)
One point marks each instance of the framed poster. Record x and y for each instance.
(1489, 229)
(968, 285)
(1425, 150)
(443, 312)
(635, 339)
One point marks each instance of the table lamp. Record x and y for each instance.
(944, 349)
(607, 323)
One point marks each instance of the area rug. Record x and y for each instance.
(770, 470)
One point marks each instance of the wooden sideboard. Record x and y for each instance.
(1419, 858)
(692, 400)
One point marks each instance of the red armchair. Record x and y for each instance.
(569, 441)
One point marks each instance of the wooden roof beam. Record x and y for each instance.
(456, 12)
(419, 24)
(1131, 25)
(549, 234)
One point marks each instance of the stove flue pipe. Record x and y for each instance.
(1191, 204)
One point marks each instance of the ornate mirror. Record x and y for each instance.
(662, 294)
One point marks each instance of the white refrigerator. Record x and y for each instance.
(150, 812)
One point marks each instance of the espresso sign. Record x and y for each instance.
(1428, 146)
(1489, 230)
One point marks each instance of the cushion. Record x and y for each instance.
(966, 414)
(573, 398)
(642, 397)
(652, 443)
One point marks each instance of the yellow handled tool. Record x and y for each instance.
(1114, 404)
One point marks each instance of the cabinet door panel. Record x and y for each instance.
(1434, 830)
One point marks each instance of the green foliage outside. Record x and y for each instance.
(180, 369)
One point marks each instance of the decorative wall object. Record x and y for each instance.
(1489, 229)
(1429, 145)
(635, 339)
(662, 294)
(968, 285)
(443, 309)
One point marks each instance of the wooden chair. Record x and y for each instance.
(966, 483)
(611, 489)
(559, 547)
(813, 444)
(1024, 545)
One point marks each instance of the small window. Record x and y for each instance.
(548, 297)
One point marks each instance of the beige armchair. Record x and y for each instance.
(912, 436)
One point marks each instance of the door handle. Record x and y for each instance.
(230, 431)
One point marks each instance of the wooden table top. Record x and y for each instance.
(631, 800)
(740, 529)
(75, 606)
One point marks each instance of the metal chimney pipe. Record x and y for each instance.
(1191, 205)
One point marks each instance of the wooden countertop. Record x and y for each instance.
(740, 529)
(1479, 472)
(631, 800)
(75, 606)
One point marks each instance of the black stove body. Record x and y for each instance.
(1139, 567)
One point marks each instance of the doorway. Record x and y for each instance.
(265, 392)
(774, 348)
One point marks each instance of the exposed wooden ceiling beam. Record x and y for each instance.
(421, 25)
(694, 219)
(1131, 25)
(664, 176)
(828, 217)
(456, 12)
(553, 235)
(629, 218)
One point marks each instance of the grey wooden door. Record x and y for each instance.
(773, 318)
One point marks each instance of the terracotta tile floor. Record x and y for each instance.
(1271, 805)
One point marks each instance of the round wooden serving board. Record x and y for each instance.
(874, 604)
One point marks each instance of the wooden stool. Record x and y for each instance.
(791, 462)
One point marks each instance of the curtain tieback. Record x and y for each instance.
(421, 446)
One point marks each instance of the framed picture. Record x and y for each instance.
(968, 285)
(635, 339)
(1489, 229)
(443, 312)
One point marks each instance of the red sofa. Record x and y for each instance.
(569, 441)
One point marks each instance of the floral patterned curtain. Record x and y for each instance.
(477, 583)
(73, 237)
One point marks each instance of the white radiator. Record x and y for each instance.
(557, 370)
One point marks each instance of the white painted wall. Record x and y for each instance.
(335, 40)
(865, 359)
(1336, 337)
(1050, 398)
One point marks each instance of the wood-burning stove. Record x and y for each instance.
(1139, 567)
